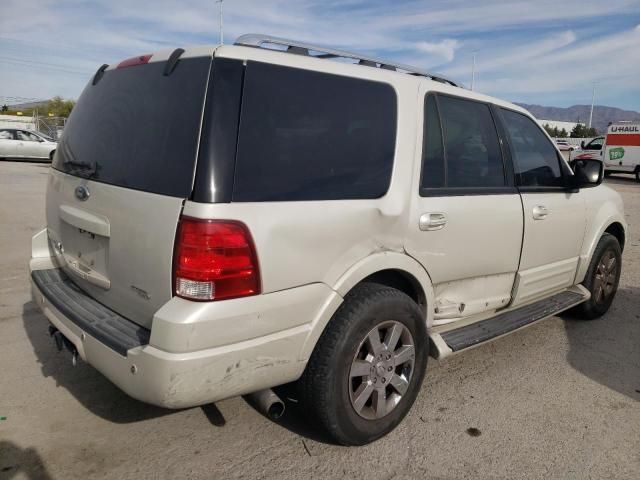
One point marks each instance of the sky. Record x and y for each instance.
(546, 52)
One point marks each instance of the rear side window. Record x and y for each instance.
(461, 148)
(313, 136)
(137, 128)
(536, 161)
(6, 135)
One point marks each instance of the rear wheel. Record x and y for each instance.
(602, 278)
(368, 365)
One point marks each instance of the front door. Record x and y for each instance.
(554, 216)
(465, 224)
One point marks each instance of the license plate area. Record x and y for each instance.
(86, 254)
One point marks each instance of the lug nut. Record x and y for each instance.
(389, 369)
(384, 379)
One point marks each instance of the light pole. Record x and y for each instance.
(593, 97)
(221, 23)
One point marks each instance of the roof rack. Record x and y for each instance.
(302, 48)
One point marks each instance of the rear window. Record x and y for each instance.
(313, 136)
(137, 128)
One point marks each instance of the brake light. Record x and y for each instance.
(133, 61)
(215, 260)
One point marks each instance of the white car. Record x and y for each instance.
(565, 146)
(26, 144)
(227, 219)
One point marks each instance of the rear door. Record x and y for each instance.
(554, 216)
(8, 144)
(465, 224)
(124, 167)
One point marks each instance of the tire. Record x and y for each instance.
(637, 174)
(53, 152)
(334, 389)
(600, 301)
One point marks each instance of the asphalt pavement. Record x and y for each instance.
(560, 399)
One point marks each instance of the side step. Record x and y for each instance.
(473, 334)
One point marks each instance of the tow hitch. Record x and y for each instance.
(63, 342)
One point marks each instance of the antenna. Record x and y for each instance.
(221, 2)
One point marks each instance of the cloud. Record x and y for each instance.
(445, 49)
(524, 48)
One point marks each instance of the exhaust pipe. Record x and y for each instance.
(268, 403)
(63, 342)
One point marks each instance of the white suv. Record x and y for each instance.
(224, 220)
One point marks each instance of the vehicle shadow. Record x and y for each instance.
(295, 418)
(621, 179)
(85, 383)
(16, 462)
(607, 350)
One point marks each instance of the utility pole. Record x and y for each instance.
(593, 97)
(473, 70)
(221, 23)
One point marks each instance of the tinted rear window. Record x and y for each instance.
(137, 128)
(313, 136)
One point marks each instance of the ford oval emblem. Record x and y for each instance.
(82, 192)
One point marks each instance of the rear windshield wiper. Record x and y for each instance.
(73, 166)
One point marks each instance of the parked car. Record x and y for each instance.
(565, 146)
(26, 144)
(619, 149)
(275, 216)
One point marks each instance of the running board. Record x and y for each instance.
(458, 339)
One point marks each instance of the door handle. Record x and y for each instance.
(540, 212)
(432, 221)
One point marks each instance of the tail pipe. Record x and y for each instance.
(268, 403)
(63, 342)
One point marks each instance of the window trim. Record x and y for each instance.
(505, 154)
(561, 164)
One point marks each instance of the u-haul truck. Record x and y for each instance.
(619, 149)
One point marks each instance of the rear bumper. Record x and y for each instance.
(166, 371)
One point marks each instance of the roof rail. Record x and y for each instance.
(302, 48)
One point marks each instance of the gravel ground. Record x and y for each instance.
(560, 399)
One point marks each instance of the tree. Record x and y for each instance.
(578, 131)
(563, 133)
(60, 107)
(5, 108)
(581, 131)
(548, 129)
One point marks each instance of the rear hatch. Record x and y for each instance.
(123, 168)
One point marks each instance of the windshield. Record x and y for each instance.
(137, 128)
(45, 137)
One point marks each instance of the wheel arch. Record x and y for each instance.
(614, 225)
(393, 269)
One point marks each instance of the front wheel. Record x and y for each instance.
(602, 278)
(367, 368)
(637, 174)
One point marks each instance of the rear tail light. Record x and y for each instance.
(215, 260)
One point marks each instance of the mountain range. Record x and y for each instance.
(602, 115)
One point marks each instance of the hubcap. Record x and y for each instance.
(605, 277)
(381, 370)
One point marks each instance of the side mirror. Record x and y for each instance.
(588, 172)
(582, 144)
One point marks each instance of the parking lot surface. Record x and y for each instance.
(560, 399)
